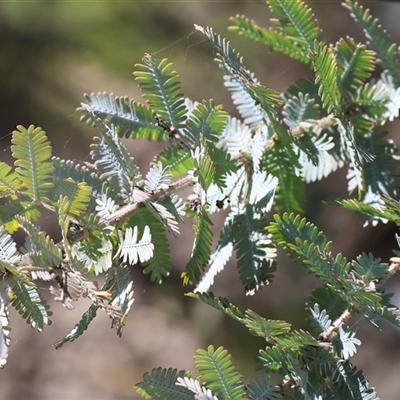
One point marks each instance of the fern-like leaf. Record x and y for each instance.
(201, 393)
(296, 21)
(8, 248)
(273, 39)
(346, 343)
(32, 152)
(131, 250)
(179, 160)
(220, 303)
(201, 248)
(217, 370)
(261, 388)
(9, 182)
(207, 121)
(159, 265)
(37, 241)
(319, 320)
(262, 191)
(267, 329)
(113, 162)
(254, 251)
(218, 261)
(369, 210)
(74, 196)
(161, 88)
(303, 239)
(122, 298)
(355, 174)
(385, 50)
(326, 76)
(290, 192)
(157, 178)
(131, 119)
(80, 327)
(29, 303)
(368, 268)
(250, 110)
(64, 169)
(231, 63)
(356, 64)
(298, 109)
(204, 168)
(160, 384)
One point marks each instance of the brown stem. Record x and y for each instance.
(126, 211)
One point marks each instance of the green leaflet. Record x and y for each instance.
(217, 370)
(29, 303)
(207, 121)
(179, 160)
(39, 242)
(131, 119)
(265, 328)
(275, 40)
(231, 63)
(371, 211)
(385, 50)
(201, 248)
(161, 88)
(355, 63)
(76, 197)
(290, 193)
(296, 21)
(255, 252)
(301, 239)
(326, 76)
(32, 152)
(220, 303)
(160, 384)
(9, 182)
(159, 266)
(263, 388)
(80, 327)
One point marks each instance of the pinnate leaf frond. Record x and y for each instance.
(29, 303)
(296, 21)
(216, 368)
(385, 49)
(80, 327)
(160, 384)
(161, 88)
(9, 182)
(201, 248)
(355, 63)
(326, 76)
(32, 151)
(131, 250)
(273, 39)
(231, 63)
(131, 119)
(255, 251)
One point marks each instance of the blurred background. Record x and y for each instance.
(52, 52)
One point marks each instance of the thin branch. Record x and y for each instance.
(126, 211)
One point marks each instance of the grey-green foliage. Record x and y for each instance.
(111, 215)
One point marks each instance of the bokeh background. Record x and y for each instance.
(51, 52)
